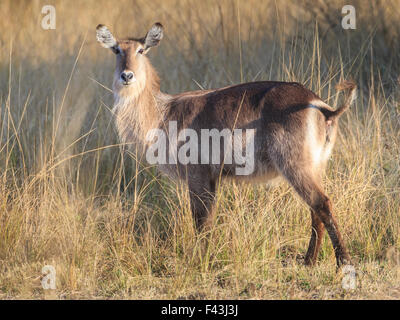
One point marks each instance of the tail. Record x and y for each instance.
(351, 94)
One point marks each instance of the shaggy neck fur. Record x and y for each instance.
(140, 106)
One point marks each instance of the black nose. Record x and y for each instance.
(126, 75)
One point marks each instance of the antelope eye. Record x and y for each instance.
(140, 51)
(117, 50)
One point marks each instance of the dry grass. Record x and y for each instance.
(115, 229)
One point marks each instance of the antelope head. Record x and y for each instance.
(130, 72)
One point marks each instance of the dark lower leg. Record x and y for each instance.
(317, 231)
(310, 190)
(342, 257)
(325, 214)
(202, 203)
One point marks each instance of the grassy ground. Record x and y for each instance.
(113, 228)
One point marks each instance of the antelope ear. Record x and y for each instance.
(154, 36)
(105, 37)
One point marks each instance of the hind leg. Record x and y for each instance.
(323, 208)
(309, 188)
(317, 231)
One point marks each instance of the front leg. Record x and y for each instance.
(202, 198)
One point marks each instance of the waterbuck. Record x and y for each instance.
(293, 132)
